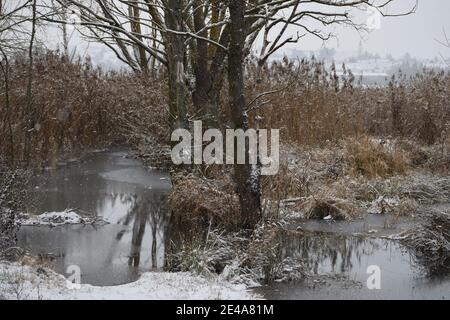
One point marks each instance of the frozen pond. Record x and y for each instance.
(132, 200)
(342, 264)
(116, 189)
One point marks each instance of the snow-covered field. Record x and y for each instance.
(35, 283)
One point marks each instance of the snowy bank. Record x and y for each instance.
(53, 219)
(28, 283)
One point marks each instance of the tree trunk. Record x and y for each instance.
(65, 36)
(135, 18)
(137, 237)
(154, 246)
(204, 97)
(175, 56)
(29, 113)
(7, 115)
(246, 176)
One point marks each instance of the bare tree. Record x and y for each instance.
(123, 25)
(13, 35)
(29, 113)
(446, 43)
(246, 175)
(63, 13)
(194, 39)
(247, 21)
(4, 67)
(18, 30)
(14, 16)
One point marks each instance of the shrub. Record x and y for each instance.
(375, 159)
(319, 106)
(199, 202)
(12, 194)
(77, 106)
(430, 243)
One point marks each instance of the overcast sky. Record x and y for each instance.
(416, 33)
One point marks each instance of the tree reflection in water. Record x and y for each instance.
(148, 214)
(322, 252)
(146, 222)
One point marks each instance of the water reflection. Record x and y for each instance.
(325, 253)
(118, 190)
(147, 213)
(344, 260)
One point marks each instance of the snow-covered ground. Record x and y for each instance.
(53, 219)
(28, 282)
(36, 283)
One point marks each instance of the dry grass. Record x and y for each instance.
(238, 256)
(374, 159)
(76, 106)
(407, 207)
(430, 243)
(266, 255)
(201, 202)
(329, 161)
(286, 183)
(346, 179)
(12, 195)
(321, 107)
(329, 207)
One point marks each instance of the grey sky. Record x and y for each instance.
(416, 33)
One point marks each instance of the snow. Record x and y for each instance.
(383, 205)
(53, 219)
(32, 283)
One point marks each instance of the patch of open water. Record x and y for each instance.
(119, 190)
